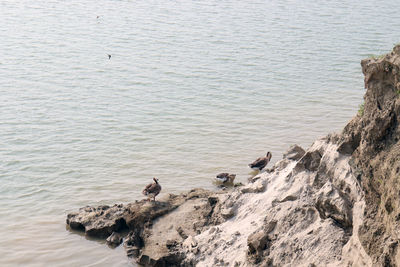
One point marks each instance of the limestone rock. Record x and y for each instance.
(310, 161)
(257, 243)
(332, 203)
(295, 152)
(99, 221)
(114, 240)
(227, 213)
(256, 187)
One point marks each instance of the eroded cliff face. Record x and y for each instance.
(306, 211)
(334, 204)
(372, 138)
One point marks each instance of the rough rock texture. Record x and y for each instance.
(295, 152)
(99, 221)
(302, 212)
(114, 240)
(152, 240)
(334, 204)
(293, 220)
(372, 138)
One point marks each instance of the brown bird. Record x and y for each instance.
(261, 162)
(225, 177)
(152, 190)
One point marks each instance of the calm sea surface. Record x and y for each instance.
(193, 88)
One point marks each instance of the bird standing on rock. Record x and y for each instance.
(226, 177)
(261, 162)
(152, 190)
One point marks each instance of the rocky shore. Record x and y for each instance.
(333, 204)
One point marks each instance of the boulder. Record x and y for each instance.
(295, 152)
(114, 240)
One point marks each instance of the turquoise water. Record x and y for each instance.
(193, 88)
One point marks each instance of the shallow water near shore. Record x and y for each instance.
(192, 89)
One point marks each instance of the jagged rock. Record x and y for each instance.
(295, 152)
(167, 235)
(372, 138)
(349, 144)
(256, 187)
(254, 178)
(133, 244)
(282, 164)
(190, 243)
(257, 243)
(133, 240)
(332, 203)
(114, 240)
(289, 198)
(227, 213)
(139, 218)
(132, 252)
(310, 161)
(98, 222)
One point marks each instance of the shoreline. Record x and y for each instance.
(161, 233)
(315, 206)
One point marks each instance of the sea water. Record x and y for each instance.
(192, 89)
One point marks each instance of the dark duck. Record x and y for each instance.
(225, 178)
(261, 162)
(152, 190)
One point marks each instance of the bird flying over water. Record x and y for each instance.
(152, 190)
(225, 177)
(261, 162)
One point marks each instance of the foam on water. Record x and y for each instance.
(192, 89)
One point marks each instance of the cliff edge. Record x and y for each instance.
(372, 138)
(334, 204)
